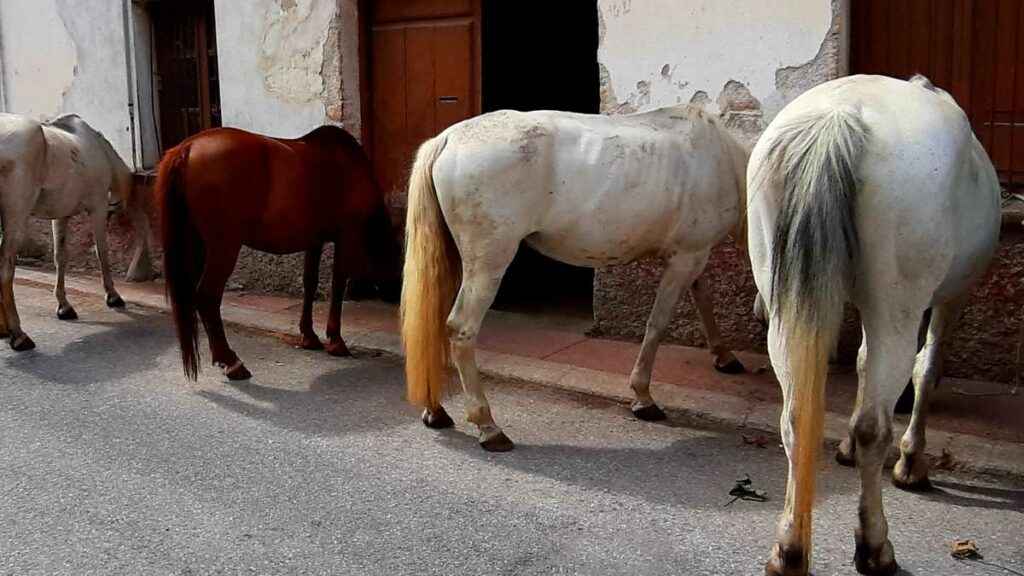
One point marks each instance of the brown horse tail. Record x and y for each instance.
(430, 278)
(180, 243)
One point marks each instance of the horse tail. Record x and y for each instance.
(814, 251)
(180, 240)
(430, 278)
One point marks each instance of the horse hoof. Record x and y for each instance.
(22, 343)
(67, 313)
(238, 372)
(651, 413)
(733, 366)
(788, 562)
(437, 418)
(311, 343)
(845, 454)
(497, 443)
(875, 562)
(114, 301)
(338, 349)
(911, 474)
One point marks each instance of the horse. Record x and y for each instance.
(587, 190)
(55, 170)
(225, 188)
(874, 191)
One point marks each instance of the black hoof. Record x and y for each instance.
(437, 418)
(498, 443)
(22, 343)
(905, 405)
(845, 459)
(114, 301)
(67, 313)
(238, 372)
(338, 349)
(650, 413)
(877, 561)
(311, 343)
(733, 366)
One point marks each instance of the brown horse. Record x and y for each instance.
(225, 188)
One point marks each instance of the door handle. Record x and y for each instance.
(448, 99)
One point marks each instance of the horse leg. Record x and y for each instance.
(679, 273)
(99, 230)
(64, 309)
(13, 232)
(220, 263)
(846, 454)
(888, 363)
(911, 471)
(479, 287)
(310, 282)
(725, 361)
(335, 344)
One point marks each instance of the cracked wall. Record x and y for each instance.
(60, 58)
(744, 64)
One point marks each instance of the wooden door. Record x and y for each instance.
(187, 76)
(971, 48)
(424, 77)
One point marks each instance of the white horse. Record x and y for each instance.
(875, 191)
(587, 190)
(54, 171)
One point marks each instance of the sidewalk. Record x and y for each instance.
(980, 434)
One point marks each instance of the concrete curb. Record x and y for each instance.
(961, 452)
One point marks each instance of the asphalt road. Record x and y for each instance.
(111, 463)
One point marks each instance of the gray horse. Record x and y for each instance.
(54, 171)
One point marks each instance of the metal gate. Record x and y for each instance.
(970, 48)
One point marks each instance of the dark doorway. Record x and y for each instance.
(542, 55)
(185, 39)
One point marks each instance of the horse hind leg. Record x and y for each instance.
(15, 207)
(680, 272)
(64, 309)
(725, 361)
(911, 470)
(479, 287)
(220, 263)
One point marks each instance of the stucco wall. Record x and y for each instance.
(62, 56)
(281, 71)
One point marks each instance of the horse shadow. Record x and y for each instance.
(970, 496)
(115, 351)
(357, 397)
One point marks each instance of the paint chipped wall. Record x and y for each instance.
(742, 59)
(59, 58)
(281, 70)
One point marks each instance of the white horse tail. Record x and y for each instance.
(815, 247)
(430, 278)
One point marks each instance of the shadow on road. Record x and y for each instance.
(346, 400)
(968, 496)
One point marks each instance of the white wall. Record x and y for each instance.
(271, 56)
(663, 52)
(62, 56)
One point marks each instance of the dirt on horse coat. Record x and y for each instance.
(588, 190)
(54, 171)
(225, 188)
(873, 191)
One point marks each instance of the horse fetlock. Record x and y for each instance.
(337, 347)
(787, 561)
(235, 370)
(311, 341)
(911, 472)
(874, 560)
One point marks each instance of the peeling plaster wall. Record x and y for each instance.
(60, 57)
(743, 59)
(281, 65)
